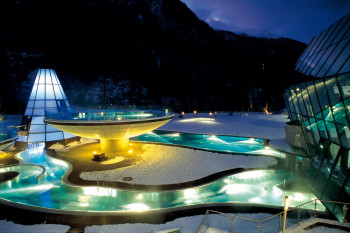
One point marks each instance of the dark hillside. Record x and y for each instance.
(150, 51)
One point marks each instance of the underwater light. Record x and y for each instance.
(137, 207)
(190, 193)
(251, 174)
(235, 188)
(99, 191)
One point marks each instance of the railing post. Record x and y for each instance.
(207, 219)
(345, 211)
(298, 215)
(231, 225)
(259, 227)
(279, 227)
(285, 210)
(315, 215)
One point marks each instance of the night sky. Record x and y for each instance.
(296, 19)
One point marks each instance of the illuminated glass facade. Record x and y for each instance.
(47, 94)
(322, 109)
(328, 53)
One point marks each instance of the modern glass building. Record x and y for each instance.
(321, 111)
(47, 94)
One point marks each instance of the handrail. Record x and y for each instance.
(259, 222)
(234, 215)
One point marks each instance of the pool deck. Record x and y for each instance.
(281, 145)
(81, 162)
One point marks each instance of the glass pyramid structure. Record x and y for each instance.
(47, 94)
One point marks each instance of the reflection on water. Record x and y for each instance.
(231, 144)
(50, 191)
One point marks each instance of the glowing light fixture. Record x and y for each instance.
(137, 207)
(190, 193)
(251, 174)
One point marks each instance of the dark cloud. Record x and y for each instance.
(296, 19)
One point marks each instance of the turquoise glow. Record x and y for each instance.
(228, 144)
(49, 191)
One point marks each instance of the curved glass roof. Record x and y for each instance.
(328, 52)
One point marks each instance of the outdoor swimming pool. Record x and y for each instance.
(40, 184)
(219, 143)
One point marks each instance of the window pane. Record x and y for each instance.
(38, 120)
(54, 77)
(64, 95)
(49, 128)
(344, 82)
(332, 132)
(54, 136)
(336, 32)
(37, 129)
(68, 135)
(51, 104)
(42, 76)
(313, 98)
(36, 137)
(58, 92)
(346, 67)
(333, 91)
(328, 36)
(333, 186)
(33, 93)
(318, 42)
(327, 114)
(28, 112)
(322, 60)
(342, 32)
(322, 129)
(47, 76)
(39, 104)
(30, 104)
(339, 113)
(315, 61)
(332, 58)
(344, 134)
(322, 95)
(340, 61)
(39, 112)
(49, 92)
(41, 92)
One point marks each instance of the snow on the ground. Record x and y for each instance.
(190, 225)
(185, 224)
(11, 227)
(61, 148)
(167, 164)
(258, 125)
(313, 225)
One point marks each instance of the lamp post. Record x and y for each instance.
(285, 210)
(210, 114)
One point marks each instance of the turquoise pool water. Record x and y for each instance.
(228, 144)
(52, 193)
(105, 115)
